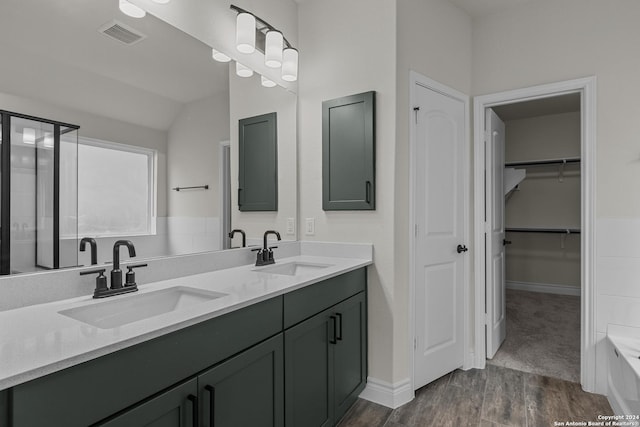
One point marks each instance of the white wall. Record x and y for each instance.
(547, 41)
(543, 200)
(433, 39)
(248, 98)
(348, 48)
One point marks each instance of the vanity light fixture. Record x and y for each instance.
(290, 65)
(219, 56)
(273, 46)
(245, 32)
(29, 136)
(266, 82)
(243, 71)
(131, 9)
(278, 52)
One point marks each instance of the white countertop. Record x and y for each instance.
(37, 340)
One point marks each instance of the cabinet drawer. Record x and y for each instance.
(306, 302)
(91, 391)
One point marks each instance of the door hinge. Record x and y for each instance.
(487, 229)
(487, 318)
(487, 136)
(415, 110)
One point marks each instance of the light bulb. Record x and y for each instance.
(131, 9)
(266, 82)
(243, 71)
(290, 65)
(219, 56)
(246, 33)
(273, 49)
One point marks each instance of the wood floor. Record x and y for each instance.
(495, 396)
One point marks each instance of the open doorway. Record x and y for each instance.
(537, 215)
(547, 218)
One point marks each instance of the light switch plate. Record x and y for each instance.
(310, 228)
(291, 226)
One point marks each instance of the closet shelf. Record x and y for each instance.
(541, 162)
(542, 230)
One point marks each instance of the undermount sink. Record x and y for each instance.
(293, 268)
(132, 308)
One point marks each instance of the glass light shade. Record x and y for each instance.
(246, 33)
(219, 56)
(131, 9)
(266, 82)
(161, 1)
(48, 139)
(29, 136)
(290, 65)
(243, 71)
(273, 49)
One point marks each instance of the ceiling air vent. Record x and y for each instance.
(121, 32)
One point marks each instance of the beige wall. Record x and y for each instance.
(348, 48)
(544, 201)
(193, 156)
(547, 41)
(433, 39)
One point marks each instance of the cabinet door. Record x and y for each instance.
(348, 153)
(350, 352)
(246, 390)
(309, 372)
(258, 167)
(176, 407)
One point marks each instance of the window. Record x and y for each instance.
(116, 189)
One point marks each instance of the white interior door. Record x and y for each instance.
(439, 203)
(494, 238)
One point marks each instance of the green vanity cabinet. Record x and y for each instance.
(247, 390)
(298, 360)
(326, 363)
(175, 407)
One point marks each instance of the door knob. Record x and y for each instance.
(461, 249)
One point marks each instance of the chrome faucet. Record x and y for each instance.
(116, 273)
(94, 248)
(265, 254)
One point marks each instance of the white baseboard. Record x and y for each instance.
(387, 394)
(547, 288)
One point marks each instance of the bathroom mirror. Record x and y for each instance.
(155, 113)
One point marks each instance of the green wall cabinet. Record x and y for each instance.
(326, 364)
(348, 153)
(258, 163)
(247, 390)
(176, 407)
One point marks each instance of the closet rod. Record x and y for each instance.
(544, 162)
(544, 230)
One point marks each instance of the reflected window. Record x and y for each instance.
(116, 191)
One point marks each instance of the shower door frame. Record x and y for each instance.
(5, 186)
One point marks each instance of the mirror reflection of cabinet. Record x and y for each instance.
(258, 167)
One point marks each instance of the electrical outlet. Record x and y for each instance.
(291, 226)
(310, 227)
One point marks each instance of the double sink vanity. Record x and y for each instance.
(282, 344)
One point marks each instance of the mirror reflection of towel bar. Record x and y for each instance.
(203, 187)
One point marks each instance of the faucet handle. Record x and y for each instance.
(130, 277)
(101, 281)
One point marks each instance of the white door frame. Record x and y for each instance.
(418, 79)
(587, 87)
